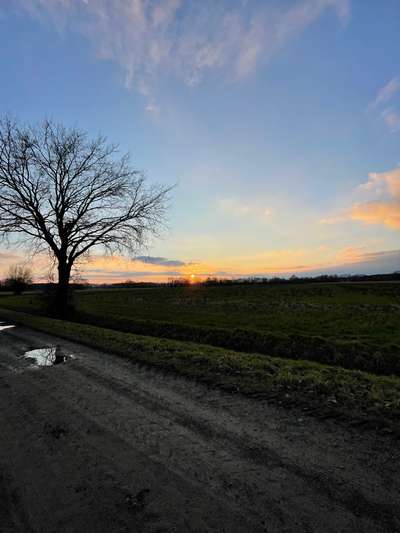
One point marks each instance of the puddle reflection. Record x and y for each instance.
(6, 326)
(46, 356)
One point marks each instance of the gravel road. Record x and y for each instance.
(100, 444)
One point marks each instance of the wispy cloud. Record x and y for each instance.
(187, 37)
(389, 115)
(380, 255)
(386, 93)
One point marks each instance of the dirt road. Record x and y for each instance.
(100, 444)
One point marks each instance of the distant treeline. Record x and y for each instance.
(213, 281)
(395, 276)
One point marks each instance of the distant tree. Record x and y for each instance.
(67, 194)
(18, 279)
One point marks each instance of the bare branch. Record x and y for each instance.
(59, 188)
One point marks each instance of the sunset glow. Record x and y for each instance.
(282, 145)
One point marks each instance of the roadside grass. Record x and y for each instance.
(355, 355)
(325, 390)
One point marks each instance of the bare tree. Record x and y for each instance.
(19, 278)
(67, 194)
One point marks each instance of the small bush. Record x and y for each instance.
(19, 278)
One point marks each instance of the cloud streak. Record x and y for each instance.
(386, 93)
(163, 261)
(389, 115)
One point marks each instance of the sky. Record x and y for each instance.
(278, 121)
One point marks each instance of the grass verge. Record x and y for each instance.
(354, 355)
(326, 390)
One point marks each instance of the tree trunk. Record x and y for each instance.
(62, 299)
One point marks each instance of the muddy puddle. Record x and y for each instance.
(46, 356)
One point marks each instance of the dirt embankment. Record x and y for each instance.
(99, 444)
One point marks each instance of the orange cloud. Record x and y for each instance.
(383, 205)
(387, 213)
(383, 183)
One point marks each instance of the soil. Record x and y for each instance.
(100, 444)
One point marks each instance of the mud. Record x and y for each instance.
(101, 444)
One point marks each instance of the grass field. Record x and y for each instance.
(354, 325)
(369, 312)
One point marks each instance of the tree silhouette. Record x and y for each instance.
(68, 194)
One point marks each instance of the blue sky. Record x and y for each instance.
(278, 120)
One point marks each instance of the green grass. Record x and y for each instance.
(349, 311)
(326, 390)
(354, 325)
